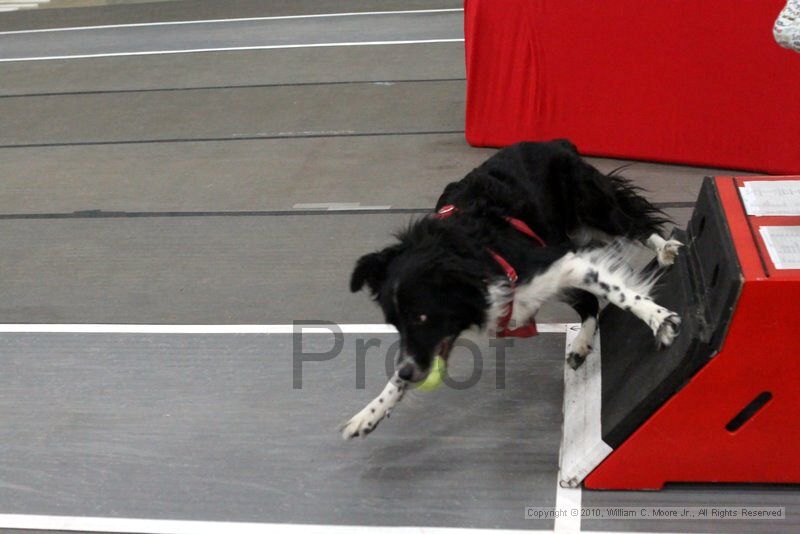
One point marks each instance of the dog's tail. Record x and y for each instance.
(644, 216)
(609, 202)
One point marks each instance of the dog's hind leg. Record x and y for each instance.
(638, 219)
(373, 413)
(608, 277)
(666, 249)
(587, 307)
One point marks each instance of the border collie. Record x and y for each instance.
(532, 223)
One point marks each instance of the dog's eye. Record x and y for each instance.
(421, 319)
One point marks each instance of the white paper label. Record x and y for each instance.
(783, 245)
(771, 197)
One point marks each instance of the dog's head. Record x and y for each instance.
(431, 288)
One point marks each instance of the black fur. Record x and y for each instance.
(433, 283)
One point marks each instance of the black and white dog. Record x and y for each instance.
(532, 223)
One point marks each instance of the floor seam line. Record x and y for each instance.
(230, 139)
(222, 87)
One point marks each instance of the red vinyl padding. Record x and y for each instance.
(699, 82)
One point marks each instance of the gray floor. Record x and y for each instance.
(180, 10)
(211, 428)
(163, 189)
(233, 69)
(232, 34)
(226, 114)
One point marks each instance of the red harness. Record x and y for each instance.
(528, 329)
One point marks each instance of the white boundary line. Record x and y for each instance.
(124, 525)
(246, 19)
(545, 328)
(170, 526)
(336, 206)
(234, 49)
(582, 446)
(568, 500)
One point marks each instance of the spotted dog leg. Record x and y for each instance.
(582, 344)
(587, 307)
(619, 287)
(373, 413)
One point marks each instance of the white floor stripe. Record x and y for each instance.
(172, 526)
(582, 446)
(247, 19)
(165, 526)
(545, 328)
(15, 6)
(234, 49)
(568, 500)
(338, 206)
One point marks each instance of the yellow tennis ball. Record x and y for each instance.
(435, 376)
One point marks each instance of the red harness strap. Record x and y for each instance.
(528, 329)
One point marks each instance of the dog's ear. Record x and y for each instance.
(371, 269)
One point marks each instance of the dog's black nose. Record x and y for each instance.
(406, 372)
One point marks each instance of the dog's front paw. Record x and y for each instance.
(363, 422)
(668, 252)
(575, 360)
(668, 329)
(581, 346)
(578, 351)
